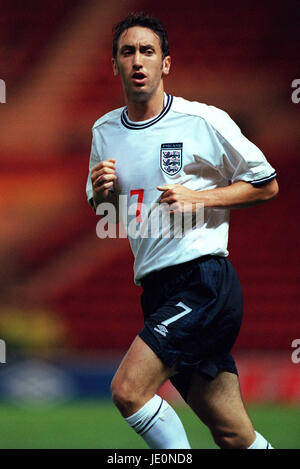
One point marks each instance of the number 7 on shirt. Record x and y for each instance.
(140, 194)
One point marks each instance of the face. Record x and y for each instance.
(140, 64)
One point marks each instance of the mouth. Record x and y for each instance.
(138, 78)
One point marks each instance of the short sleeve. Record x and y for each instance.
(241, 159)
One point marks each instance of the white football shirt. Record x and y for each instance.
(188, 143)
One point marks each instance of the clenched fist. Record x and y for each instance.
(103, 175)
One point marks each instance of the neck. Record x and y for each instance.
(144, 110)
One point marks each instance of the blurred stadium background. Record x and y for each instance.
(69, 308)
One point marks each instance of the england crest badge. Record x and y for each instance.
(171, 158)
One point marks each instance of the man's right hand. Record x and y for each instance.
(103, 176)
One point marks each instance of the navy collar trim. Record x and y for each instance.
(136, 126)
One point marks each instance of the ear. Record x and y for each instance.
(166, 65)
(115, 67)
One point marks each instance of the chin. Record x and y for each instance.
(140, 95)
(143, 93)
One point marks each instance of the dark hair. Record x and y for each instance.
(146, 21)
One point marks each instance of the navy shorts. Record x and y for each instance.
(192, 314)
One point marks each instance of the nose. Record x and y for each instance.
(137, 61)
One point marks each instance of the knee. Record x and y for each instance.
(231, 440)
(123, 397)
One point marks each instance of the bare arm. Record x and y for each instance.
(238, 195)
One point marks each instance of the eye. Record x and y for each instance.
(126, 52)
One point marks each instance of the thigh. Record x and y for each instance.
(218, 403)
(141, 372)
(207, 369)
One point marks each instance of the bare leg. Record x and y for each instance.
(138, 377)
(134, 388)
(218, 403)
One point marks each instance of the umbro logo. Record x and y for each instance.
(161, 329)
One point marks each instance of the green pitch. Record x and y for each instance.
(98, 424)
